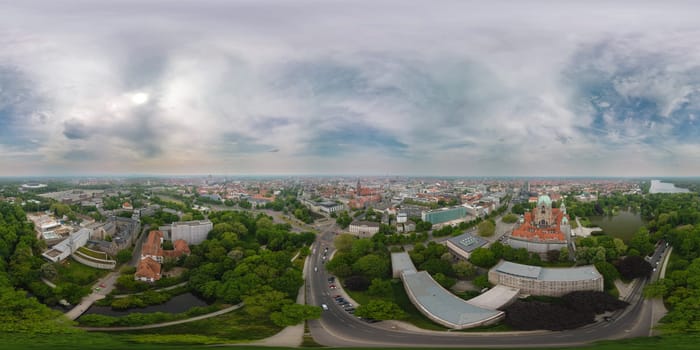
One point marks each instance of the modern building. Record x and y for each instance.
(330, 207)
(543, 229)
(463, 245)
(192, 232)
(437, 303)
(68, 246)
(444, 215)
(364, 228)
(553, 282)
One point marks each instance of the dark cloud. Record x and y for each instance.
(79, 155)
(75, 130)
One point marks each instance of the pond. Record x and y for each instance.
(177, 304)
(662, 187)
(623, 225)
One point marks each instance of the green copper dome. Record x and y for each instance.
(544, 198)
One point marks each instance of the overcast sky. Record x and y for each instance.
(363, 87)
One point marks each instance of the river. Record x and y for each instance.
(177, 304)
(663, 187)
(623, 225)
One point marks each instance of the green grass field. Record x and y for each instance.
(233, 327)
(72, 271)
(98, 341)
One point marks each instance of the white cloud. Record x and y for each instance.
(449, 88)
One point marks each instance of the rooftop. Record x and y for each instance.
(467, 242)
(442, 304)
(548, 274)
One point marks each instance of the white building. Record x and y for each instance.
(68, 246)
(364, 228)
(192, 232)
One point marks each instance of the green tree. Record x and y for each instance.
(482, 281)
(48, 271)
(464, 269)
(483, 257)
(371, 266)
(487, 228)
(262, 304)
(380, 287)
(293, 314)
(380, 310)
(509, 218)
(124, 255)
(343, 242)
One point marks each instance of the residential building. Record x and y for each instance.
(148, 270)
(192, 232)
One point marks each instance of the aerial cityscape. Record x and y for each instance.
(367, 174)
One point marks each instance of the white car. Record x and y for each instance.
(324, 307)
(315, 268)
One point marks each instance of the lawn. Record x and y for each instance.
(95, 341)
(74, 272)
(233, 327)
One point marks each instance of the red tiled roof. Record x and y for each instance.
(148, 268)
(180, 248)
(152, 245)
(531, 232)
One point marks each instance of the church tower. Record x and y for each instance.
(543, 212)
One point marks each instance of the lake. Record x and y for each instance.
(623, 225)
(177, 304)
(663, 187)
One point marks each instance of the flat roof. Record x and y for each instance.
(365, 223)
(467, 242)
(495, 298)
(442, 304)
(549, 274)
(520, 270)
(402, 262)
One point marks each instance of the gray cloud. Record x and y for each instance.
(457, 87)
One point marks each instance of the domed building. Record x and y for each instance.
(542, 229)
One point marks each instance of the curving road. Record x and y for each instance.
(338, 328)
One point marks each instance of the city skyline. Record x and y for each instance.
(455, 89)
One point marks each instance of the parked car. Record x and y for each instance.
(324, 307)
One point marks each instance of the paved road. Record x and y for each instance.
(136, 253)
(338, 328)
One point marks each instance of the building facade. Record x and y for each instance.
(553, 282)
(364, 228)
(441, 216)
(192, 232)
(543, 229)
